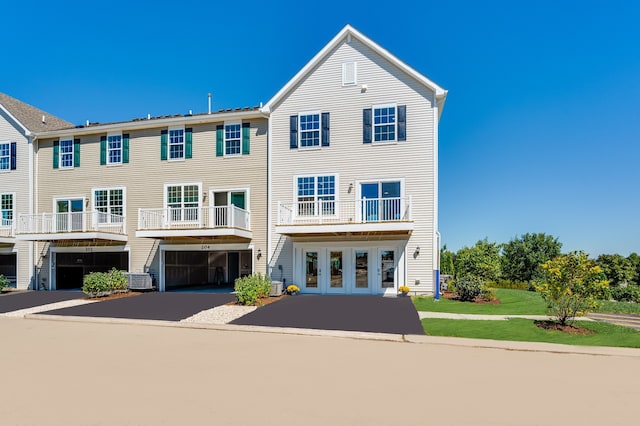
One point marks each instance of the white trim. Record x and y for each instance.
(116, 163)
(85, 249)
(69, 198)
(14, 216)
(359, 182)
(436, 236)
(299, 134)
(270, 208)
(374, 107)
(184, 143)
(27, 132)
(224, 138)
(345, 65)
(90, 235)
(109, 189)
(208, 232)
(167, 185)
(229, 190)
(8, 169)
(60, 153)
(315, 176)
(349, 31)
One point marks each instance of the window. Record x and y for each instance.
(384, 124)
(66, 153)
(109, 203)
(6, 208)
(232, 139)
(316, 195)
(114, 149)
(309, 129)
(176, 144)
(5, 156)
(183, 202)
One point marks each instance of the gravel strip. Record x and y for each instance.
(220, 315)
(47, 307)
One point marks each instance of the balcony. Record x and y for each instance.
(7, 231)
(91, 225)
(374, 215)
(194, 222)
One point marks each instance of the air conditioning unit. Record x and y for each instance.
(276, 288)
(139, 281)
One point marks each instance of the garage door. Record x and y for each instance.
(72, 267)
(205, 269)
(8, 267)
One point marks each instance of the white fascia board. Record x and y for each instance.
(27, 132)
(155, 123)
(72, 236)
(348, 30)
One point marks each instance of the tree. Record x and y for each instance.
(618, 269)
(570, 284)
(635, 261)
(446, 261)
(481, 260)
(522, 256)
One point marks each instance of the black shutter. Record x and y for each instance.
(325, 129)
(366, 125)
(402, 122)
(293, 132)
(13, 156)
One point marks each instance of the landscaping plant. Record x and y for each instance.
(469, 287)
(98, 284)
(571, 284)
(4, 282)
(251, 288)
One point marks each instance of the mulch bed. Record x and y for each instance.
(261, 302)
(112, 296)
(452, 296)
(569, 329)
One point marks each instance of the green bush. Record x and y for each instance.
(630, 293)
(102, 283)
(488, 294)
(469, 287)
(251, 288)
(4, 282)
(511, 285)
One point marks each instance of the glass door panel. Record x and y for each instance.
(69, 215)
(390, 200)
(362, 269)
(238, 200)
(387, 269)
(335, 266)
(311, 269)
(77, 218)
(369, 196)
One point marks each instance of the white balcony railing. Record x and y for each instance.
(56, 223)
(320, 212)
(193, 218)
(7, 229)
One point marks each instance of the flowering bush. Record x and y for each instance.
(404, 289)
(293, 289)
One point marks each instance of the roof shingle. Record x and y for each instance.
(31, 117)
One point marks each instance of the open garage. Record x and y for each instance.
(194, 270)
(72, 267)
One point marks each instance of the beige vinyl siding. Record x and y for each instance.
(17, 182)
(145, 176)
(347, 156)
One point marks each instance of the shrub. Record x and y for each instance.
(630, 293)
(488, 294)
(469, 287)
(292, 288)
(117, 279)
(4, 282)
(101, 283)
(511, 285)
(251, 288)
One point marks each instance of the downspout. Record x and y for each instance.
(31, 143)
(436, 248)
(269, 207)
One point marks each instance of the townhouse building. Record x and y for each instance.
(331, 185)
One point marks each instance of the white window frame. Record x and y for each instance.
(8, 156)
(359, 183)
(374, 125)
(109, 150)
(183, 143)
(229, 190)
(62, 154)
(4, 224)
(315, 177)
(232, 123)
(345, 74)
(182, 206)
(109, 206)
(300, 131)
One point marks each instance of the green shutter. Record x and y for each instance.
(103, 150)
(246, 138)
(220, 140)
(76, 153)
(188, 142)
(125, 148)
(163, 144)
(56, 154)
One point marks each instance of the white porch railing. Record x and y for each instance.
(372, 210)
(194, 218)
(7, 229)
(54, 223)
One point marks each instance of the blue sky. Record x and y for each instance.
(540, 133)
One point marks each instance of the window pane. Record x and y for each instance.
(310, 130)
(5, 155)
(336, 269)
(384, 120)
(176, 143)
(311, 269)
(232, 137)
(362, 269)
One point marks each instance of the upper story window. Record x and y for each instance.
(183, 202)
(232, 139)
(109, 203)
(66, 153)
(5, 156)
(309, 130)
(176, 144)
(316, 194)
(6, 208)
(114, 149)
(384, 123)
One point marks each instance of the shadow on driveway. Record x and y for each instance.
(327, 312)
(30, 299)
(149, 306)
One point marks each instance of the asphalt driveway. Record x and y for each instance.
(29, 299)
(150, 306)
(395, 315)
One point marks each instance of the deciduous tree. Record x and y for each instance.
(481, 260)
(618, 269)
(522, 256)
(446, 261)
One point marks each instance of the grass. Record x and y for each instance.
(513, 302)
(610, 307)
(517, 329)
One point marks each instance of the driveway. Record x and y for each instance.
(10, 302)
(150, 306)
(328, 312)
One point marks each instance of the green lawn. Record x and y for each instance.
(524, 330)
(618, 308)
(514, 302)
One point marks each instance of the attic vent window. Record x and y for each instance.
(349, 74)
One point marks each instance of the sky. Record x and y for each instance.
(540, 131)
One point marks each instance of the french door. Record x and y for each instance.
(69, 215)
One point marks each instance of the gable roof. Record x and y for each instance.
(347, 31)
(29, 117)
